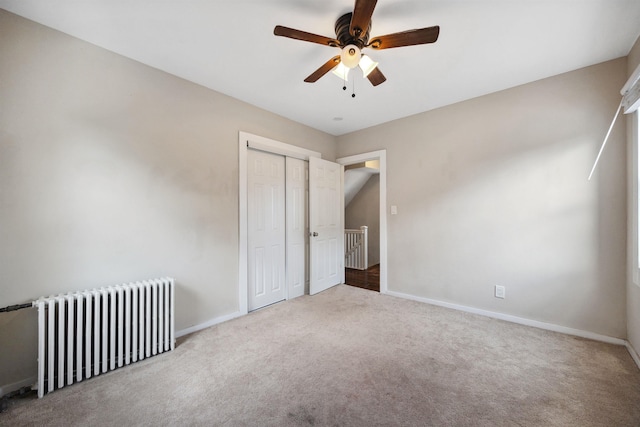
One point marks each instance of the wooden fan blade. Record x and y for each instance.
(361, 18)
(291, 33)
(406, 38)
(326, 67)
(376, 77)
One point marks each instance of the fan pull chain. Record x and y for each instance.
(353, 88)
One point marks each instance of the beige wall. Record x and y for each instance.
(494, 191)
(111, 171)
(364, 209)
(633, 289)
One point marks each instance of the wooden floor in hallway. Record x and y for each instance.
(365, 279)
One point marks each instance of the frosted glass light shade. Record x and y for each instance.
(350, 56)
(341, 71)
(367, 65)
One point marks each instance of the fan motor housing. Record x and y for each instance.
(344, 37)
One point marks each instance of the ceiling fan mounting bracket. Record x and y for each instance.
(344, 36)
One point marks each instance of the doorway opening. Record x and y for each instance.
(365, 209)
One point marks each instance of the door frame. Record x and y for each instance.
(246, 141)
(380, 155)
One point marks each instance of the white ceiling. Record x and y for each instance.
(229, 46)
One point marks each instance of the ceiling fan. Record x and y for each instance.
(352, 35)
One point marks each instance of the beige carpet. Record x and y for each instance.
(351, 357)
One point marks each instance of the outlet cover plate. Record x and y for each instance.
(499, 291)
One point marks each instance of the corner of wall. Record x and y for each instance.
(633, 288)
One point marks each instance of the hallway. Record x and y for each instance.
(365, 279)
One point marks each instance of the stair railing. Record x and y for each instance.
(355, 244)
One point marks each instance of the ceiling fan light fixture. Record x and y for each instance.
(341, 71)
(350, 56)
(367, 65)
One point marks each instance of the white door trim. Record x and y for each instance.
(246, 140)
(382, 156)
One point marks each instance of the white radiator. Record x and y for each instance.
(87, 333)
(355, 248)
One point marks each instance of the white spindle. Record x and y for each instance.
(364, 258)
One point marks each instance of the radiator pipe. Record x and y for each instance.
(15, 307)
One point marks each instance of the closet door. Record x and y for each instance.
(266, 228)
(297, 226)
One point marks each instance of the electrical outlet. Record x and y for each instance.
(500, 291)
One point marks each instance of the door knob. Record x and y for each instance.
(315, 234)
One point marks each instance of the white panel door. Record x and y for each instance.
(297, 225)
(325, 215)
(266, 228)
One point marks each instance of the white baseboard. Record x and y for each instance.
(8, 388)
(207, 324)
(516, 319)
(632, 352)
